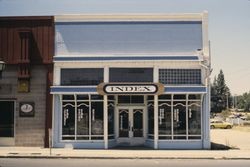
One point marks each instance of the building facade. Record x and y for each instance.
(27, 48)
(131, 80)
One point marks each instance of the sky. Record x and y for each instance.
(229, 26)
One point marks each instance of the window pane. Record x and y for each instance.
(165, 97)
(131, 99)
(138, 122)
(123, 122)
(180, 97)
(194, 118)
(68, 97)
(123, 99)
(96, 97)
(137, 99)
(194, 97)
(68, 121)
(111, 117)
(164, 118)
(82, 76)
(82, 118)
(97, 118)
(82, 97)
(111, 98)
(151, 118)
(131, 75)
(150, 98)
(179, 117)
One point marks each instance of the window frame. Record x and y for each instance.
(90, 136)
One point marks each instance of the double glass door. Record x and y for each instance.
(131, 127)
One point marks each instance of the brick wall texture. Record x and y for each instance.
(29, 131)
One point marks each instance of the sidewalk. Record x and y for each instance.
(36, 152)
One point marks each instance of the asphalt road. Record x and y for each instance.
(121, 163)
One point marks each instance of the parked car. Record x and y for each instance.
(220, 124)
(243, 118)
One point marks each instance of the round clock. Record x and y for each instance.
(26, 108)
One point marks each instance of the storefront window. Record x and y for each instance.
(150, 120)
(82, 120)
(194, 119)
(82, 117)
(164, 119)
(179, 119)
(111, 119)
(184, 117)
(68, 121)
(96, 119)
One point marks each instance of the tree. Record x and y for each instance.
(220, 94)
(243, 101)
(214, 97)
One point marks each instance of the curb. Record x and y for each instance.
(82, 157)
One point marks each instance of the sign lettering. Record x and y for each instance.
(130, 88)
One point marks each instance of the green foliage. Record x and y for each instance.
(220, 94)
(243, 101)
(248, 117)
(224, 114)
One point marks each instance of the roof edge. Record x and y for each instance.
(131, 17)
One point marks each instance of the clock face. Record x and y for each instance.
(26, 108)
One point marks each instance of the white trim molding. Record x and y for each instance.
(129, 17)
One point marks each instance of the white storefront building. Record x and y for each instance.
(131, 80)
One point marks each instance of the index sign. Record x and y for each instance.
(130, 88)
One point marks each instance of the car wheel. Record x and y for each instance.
(212, 127)
(228, 127)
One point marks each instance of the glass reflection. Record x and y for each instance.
(194, 118)
(164, 118)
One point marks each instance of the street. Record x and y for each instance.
(9, 162)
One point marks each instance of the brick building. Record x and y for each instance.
(27, 48)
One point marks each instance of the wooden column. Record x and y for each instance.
(49, 98)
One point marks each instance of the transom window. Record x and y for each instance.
(180, 76)
(81, 76)
(131, 74)
(130, 99)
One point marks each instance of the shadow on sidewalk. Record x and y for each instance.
(132, 148)
(216, 146)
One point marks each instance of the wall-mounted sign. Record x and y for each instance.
(23, 85)
(130, 88)
(27, 109)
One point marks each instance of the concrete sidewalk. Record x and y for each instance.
(36, 152)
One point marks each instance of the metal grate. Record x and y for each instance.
(180, 76)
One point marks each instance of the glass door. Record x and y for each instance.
(130, 123)
(137, 127)
(124, 123)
